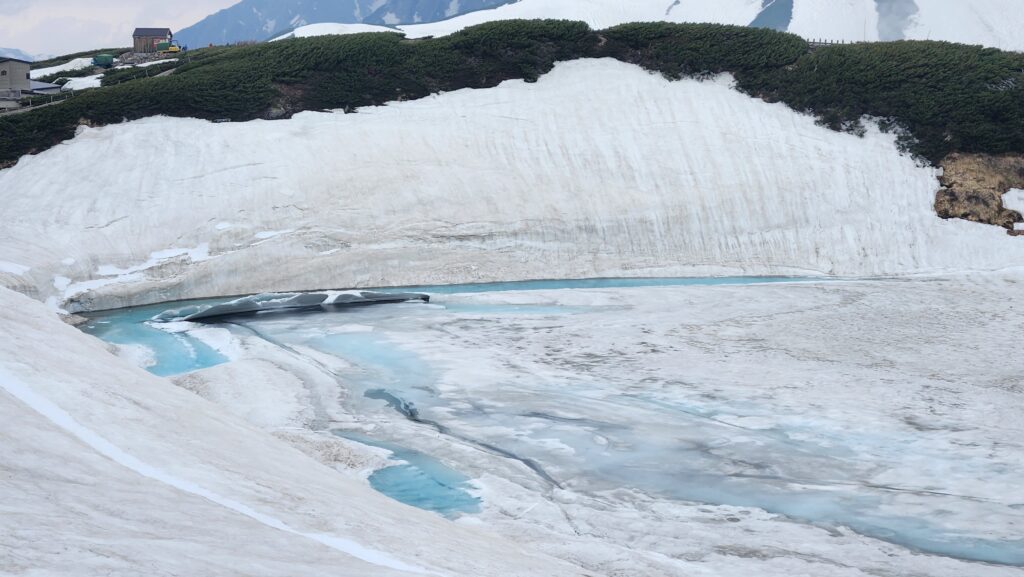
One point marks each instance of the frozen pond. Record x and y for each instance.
(171, 353)
(420, 480)
(564, 394)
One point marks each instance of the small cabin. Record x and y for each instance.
(146, 39)
(14, 78)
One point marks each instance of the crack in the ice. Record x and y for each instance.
(97, 227)
(410, 412)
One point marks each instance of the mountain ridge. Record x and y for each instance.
(258, 20)
(16, 54)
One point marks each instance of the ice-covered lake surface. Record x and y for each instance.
(166, 353)
(611, 389)
(170, 349)
(419, 480)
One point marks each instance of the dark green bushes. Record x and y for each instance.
(947, 97)
(698, 50)
(950, 97)
(122, 75)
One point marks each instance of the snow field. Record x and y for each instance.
(76, 64)
(676, 179)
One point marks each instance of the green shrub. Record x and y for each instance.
(940, 97)
(698, 50)
(121, 75)
(949, 97)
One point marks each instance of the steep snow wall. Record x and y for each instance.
(110, 470)
(994, 23)
(598, 169)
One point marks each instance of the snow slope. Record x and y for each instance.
(598, 13)
(598, 169)
(110, 470)
(76, 64)
(83, 82)
(996, 23)
(989, 22)
(331, 28)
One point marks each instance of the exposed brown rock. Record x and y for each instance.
(973, 186)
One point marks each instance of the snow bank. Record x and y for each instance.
(994, 23)
(76, 64)
(84, 82)
(599, 13)
(123, 471)
(329, 28)
(145, 64)
(155, 62)
(598, 169)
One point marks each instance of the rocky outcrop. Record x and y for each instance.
(973, 186)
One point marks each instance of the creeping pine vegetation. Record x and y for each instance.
(941, 97)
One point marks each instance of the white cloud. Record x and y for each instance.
(64, 26)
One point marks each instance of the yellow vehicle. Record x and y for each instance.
(168, 47)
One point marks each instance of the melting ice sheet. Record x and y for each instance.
(171, 353)
(665, 437)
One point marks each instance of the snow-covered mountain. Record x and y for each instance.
(994, 23)
(14, 53)
(262, 19)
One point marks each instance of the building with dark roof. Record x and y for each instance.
(146, 39)
(14, 78)
(45, 87)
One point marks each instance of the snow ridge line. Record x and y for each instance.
(65, 421)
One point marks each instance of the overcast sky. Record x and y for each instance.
(64, 26)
